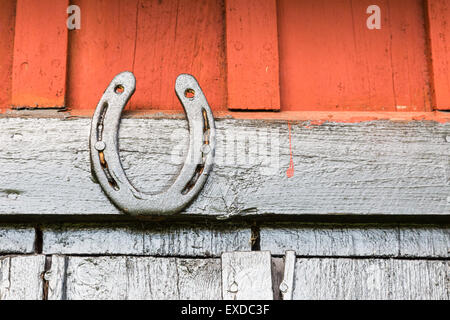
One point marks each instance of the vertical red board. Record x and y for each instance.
(331, 61)
(252, 54)
(439, 32)
(157, 40)
(175, 37)
(40, 53)
(410, 68)
(7, 20)
(103, 47)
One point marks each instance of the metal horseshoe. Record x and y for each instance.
(107, 168)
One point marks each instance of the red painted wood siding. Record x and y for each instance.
(439, 28)
(252, 55)
(7, 23)
(40, 53)
(157, 40)
(330, 60)
(288, 55)
(102, 48)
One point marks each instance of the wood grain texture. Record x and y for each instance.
(371, 279)
(102, 48)
(287, 285)
(252, 54)
(357, 240)
(21, 277)
(194, 241)
(439, 32)
(40, 53)
(16, 239)
(56, 277)
(157, 40)
(189, 240)
(421, 241)
(118, 278)
(330, 60)
(141, 278)
(277, 276)
(7, 23)
(247, 276)
(93, 240)
(175, 37)
(380, 167)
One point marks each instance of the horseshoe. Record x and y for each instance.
(106, 166)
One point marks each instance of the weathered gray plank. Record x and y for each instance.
(207, 241)
(247, 276)
(277, 276)
(56, 277)
(21, 277)
(374, 279)
(92, 240)
(199, 279)
(195, 241)
(357, 240)
(149, 278)
(330, 240)
(420, 241)
(16, 239)
(380, 167)
(287, 285)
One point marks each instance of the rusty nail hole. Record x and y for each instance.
(119, 89)
(102, 159)
(189, 93)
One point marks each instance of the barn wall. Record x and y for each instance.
(247, 55)
(141, 261)
(365, 211)
(362, 198)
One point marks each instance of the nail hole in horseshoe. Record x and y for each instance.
(189, 93)
(119, 89)
(101, 120)
(111, 180)
(108, 175)
(198, 172)
(205, 127)
(101, 154)
(200, 167)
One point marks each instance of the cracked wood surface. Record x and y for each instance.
(380, 167)
(21, 277)
(373, 279)
(357, 240)
(188, 241)
(247, 276)
(128, 277)
(141, 278)
(16, 239)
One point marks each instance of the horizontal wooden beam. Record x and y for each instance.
(179, 241)
(350, 240)
(370, 168)
(16, 239)
(370, 279)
